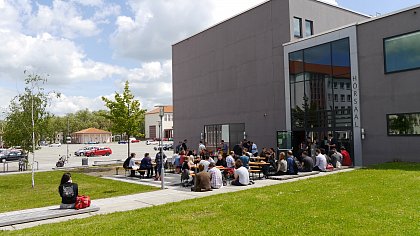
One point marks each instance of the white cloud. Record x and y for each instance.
(62, 18)
(156, 25)
(71, 104)
(60, 58)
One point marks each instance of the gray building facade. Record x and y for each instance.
(303, 67)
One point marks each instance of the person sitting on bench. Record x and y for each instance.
(68, 192)
(241, 174)
(146, 164)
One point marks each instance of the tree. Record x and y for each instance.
(125, 114)
(28, 117)
(19, 127)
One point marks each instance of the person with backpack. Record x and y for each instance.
(68, 192)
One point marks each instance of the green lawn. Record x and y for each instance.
(383, 200)
(16, 191)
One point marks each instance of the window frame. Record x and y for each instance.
(311, 27)
(384, 50)
(300, 27)
(399, 135)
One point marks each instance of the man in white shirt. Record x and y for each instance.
(205, 163)
(201, 147)
(320, 161)
(216, 179)
(241, 174)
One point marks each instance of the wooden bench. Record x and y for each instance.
(127, 171)
(25, 216)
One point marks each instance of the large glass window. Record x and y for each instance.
(402, 52)
(297, 27)
(309, 28)
(318, 91)
(404, 124)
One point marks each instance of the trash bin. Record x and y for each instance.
(85, 161)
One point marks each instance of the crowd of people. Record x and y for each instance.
(208, 170)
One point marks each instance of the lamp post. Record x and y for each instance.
(162, 170)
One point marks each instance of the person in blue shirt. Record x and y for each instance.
(245, 159)
(291, 166)
(146, 164)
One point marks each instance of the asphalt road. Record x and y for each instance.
(48, 156)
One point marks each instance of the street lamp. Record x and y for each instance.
(162, 170)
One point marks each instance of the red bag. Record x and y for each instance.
(330, 167)
(82, 202)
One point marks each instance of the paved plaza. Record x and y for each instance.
(48, 156)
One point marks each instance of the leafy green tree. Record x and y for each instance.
(19, 127)
(125, 114)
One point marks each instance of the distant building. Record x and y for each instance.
(91, 135)
(152, 121)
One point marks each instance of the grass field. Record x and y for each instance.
(383, 200)
(16, 191)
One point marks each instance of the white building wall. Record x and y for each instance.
(154, 119)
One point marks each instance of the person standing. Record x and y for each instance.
(184, 145)
(201, 148)
(68, 192)
(225, 148)
(159, 163)
(216, 178)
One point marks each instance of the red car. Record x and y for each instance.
(101, 151)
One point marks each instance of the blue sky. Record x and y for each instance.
(88, 48)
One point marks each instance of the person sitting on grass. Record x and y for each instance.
(281, 164)
(68, 192)
(215, 176)
(307, 162)
(146, 164)
(346, 157)
(241, 176)
(320, 161)
(291, 164)
(202, 180)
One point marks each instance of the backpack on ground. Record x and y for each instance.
(82, 202)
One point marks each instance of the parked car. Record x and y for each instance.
(151, 142)
(13, 155)
(122, 142)
(101, 151)
(81, 152)
(134, 140)
(54, 145)
(165, 146)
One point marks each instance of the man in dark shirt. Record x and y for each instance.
(184, 145)
(307, 161)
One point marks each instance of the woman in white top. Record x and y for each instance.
(281, 164)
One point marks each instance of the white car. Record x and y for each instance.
(54, 145)
(152, 142)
